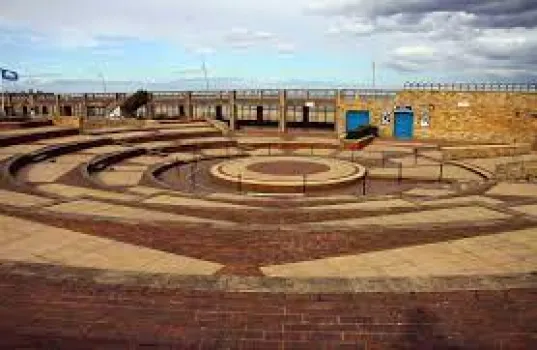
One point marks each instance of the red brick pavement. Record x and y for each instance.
(36, 313)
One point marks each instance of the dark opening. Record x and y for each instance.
(24, 110)
(219, 114)
(259, 114)
(306, 115)
(44, 110)
(181, 111)
(67, 111)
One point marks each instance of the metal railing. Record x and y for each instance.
(515, 87)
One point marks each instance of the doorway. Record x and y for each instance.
(305, 115)
(219, 114)
(259, 114)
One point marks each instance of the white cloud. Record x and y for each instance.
(415, 51)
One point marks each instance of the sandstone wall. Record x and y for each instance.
(73, 122)
(476, 116)
(497, 117)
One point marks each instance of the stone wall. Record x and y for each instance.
(498, 117)
(517, 171)
(376, 105)
(485, 151)
(103, 123)
(477, 116)
(73, 122)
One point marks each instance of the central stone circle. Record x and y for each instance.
(277, 174)
(288, 167)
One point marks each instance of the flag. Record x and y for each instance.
(9, 75)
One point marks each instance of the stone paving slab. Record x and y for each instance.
(504, 253)
(192, 202)
(145, 191)
(204, 140)
(51, 170)
(120, 178)
(409, 161)
(126, 167)
(357, 155)
(67, 191)
(221, 152)
(314, 152)
(146, 160)
(372, 205)
(514, 189)
(28, 241)
(379, 148)
(463, 200)
(490, 164)
(187, 131)
(23, 200)
(100, 209)
(20, 149)
(101, 150)
(265, 152)
(437, 216)
(428, 192)
(427, 172)
(66, 139)
(30, 131)
(128, 135)
(527, 209)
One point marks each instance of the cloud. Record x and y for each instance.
(479, 38)
(484, 13)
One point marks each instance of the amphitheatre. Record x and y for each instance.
(251, 219)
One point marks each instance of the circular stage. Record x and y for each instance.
(287, 174)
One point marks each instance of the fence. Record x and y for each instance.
(530, 87)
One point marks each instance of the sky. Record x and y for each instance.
(97, 45)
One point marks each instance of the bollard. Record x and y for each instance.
(304, 183)
(400, 174)
(441, 175)
(364, 184)
(415, 156)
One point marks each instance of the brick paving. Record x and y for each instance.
(39, 313)
(147, 229)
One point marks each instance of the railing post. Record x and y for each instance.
(364, 184)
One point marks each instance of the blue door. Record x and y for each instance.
(355, 119)
(404, 125)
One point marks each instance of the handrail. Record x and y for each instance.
(511, 87)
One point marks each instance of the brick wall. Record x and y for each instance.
(65, 315)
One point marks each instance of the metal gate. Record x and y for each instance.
(355, 119)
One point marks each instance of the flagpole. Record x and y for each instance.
(3, 97)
